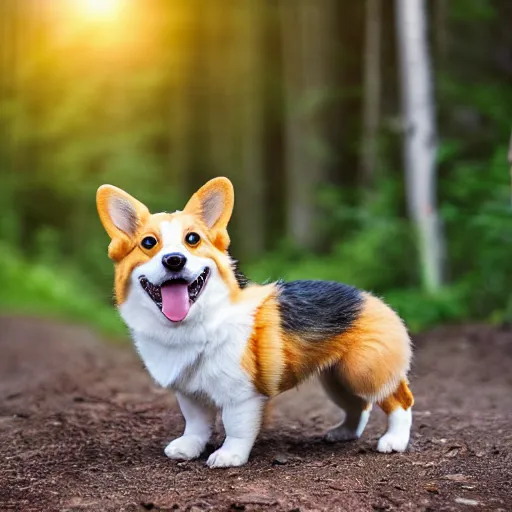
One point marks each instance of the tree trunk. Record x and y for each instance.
(218, 80)
(6, 72)
(510, 164)
(420, 142)
(441, 32)
(180, 125)
(305, 40)
(372, 87)
(251, 195)
(196, 94)
(8, 217)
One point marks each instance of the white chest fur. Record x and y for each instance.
(201, 358)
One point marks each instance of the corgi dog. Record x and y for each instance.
(223, 344)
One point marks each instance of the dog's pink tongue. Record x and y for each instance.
(175, 301)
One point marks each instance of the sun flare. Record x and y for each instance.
(101, 9)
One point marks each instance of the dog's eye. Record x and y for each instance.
(192, 239)
(149, 242)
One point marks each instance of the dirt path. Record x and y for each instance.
(83, 428)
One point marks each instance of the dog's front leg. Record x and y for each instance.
(242, 423)
(199, 420)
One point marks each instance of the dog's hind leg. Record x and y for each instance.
(398, 407)
(357, 410)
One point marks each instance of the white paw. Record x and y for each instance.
(392, 443)
(341, 433)
(223, 458)
(185, 448)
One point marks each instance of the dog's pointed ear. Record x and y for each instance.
(122, 216)
(213, 203)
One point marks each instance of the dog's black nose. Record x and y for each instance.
(174, 261)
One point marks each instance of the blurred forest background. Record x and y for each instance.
(299, 102)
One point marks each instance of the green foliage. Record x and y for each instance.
(370, 247)
(471, 10)
(158, 108)
(372, 259)
(34, 288)
(481, 251)
(421, 311)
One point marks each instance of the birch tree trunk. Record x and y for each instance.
(420, 144)
(372, 87)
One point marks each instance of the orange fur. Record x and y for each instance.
(377, 351)
(137, 254)
(365, 364)
(263, 359)
(371, 356)
(122, 242)
(267, 414)
(402, 397)
(198, 204)
(125, 249)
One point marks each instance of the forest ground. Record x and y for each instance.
(82, 428)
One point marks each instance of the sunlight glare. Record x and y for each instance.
(101, 9)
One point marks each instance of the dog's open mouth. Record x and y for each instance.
(175, 297)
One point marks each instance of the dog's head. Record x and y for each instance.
(169, 267)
